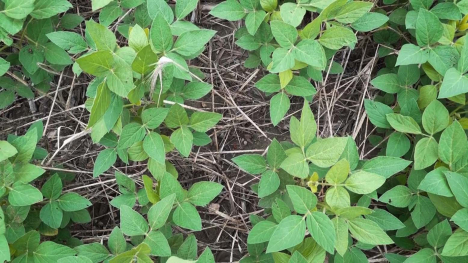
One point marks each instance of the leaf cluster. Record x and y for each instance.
(32, 38)
(278, 37)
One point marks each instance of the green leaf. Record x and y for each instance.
(56, 55)
(46, 9)
(385, 220)
(369, 232)
(442, 58)
(302, 199)
(28, 242)
(337, 197)
(202, 193)
(4, 66)
(283, 59)
(385, 166)
(457, 245)
(159, 213)
(410, 54)
(261, 232)
(101, 35)
(269, 83)
(52, 188)
(203, 121)
(300, 86)
(154, 146)
(364, 182)
(182, 139)
(417, 4)
(463, 62)
(251, 163)
(30, 56)
(404, 124)
(398, 196)
(296, 165)
(23, 195)
(189, 43)
(230, 10)
(96, 4)
(120, 79)
(94, 251)
(49, 251)
(435, 117)
(131, 133)
(461, 218)
(70, 41)
(158, 244)
(377, 113)
(145, 60)
(6, 150)
(25, 145)
(170, 185)
(131, 222)
(284, 34)
(139, 253)
(124, 199)
(289, 233)
(75, 259)
(109, 14)
(269, 183)
(153, 117)
(97, 63)
(452, 143)
(176, 117)
(310, 52)
(352, 11)
(104, 161)
(424, 255)
(436, 183)
(248, 42)
(160, 34)
(454, 84)
(269, 5)
(26, 173)
(428, 28)
(71, 202)
(337, 37)
(350, 153)
(338, 172)
(322, 230)
(186, 216)
(137, 38)
(101, 103)
(116, 242)
(18, 9)
(438, 235)
(388, 83)
(326, 152)
(426, 153)
(51, 215)
(196, 90)
(279, 106)
(303, 131)
(369, 21)
(398, 145)
(276, 154)
(184, 7)
(458, 183)
(253, 21)
(250, 4)
(292, 13)
(423, 210)
(160, 8)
